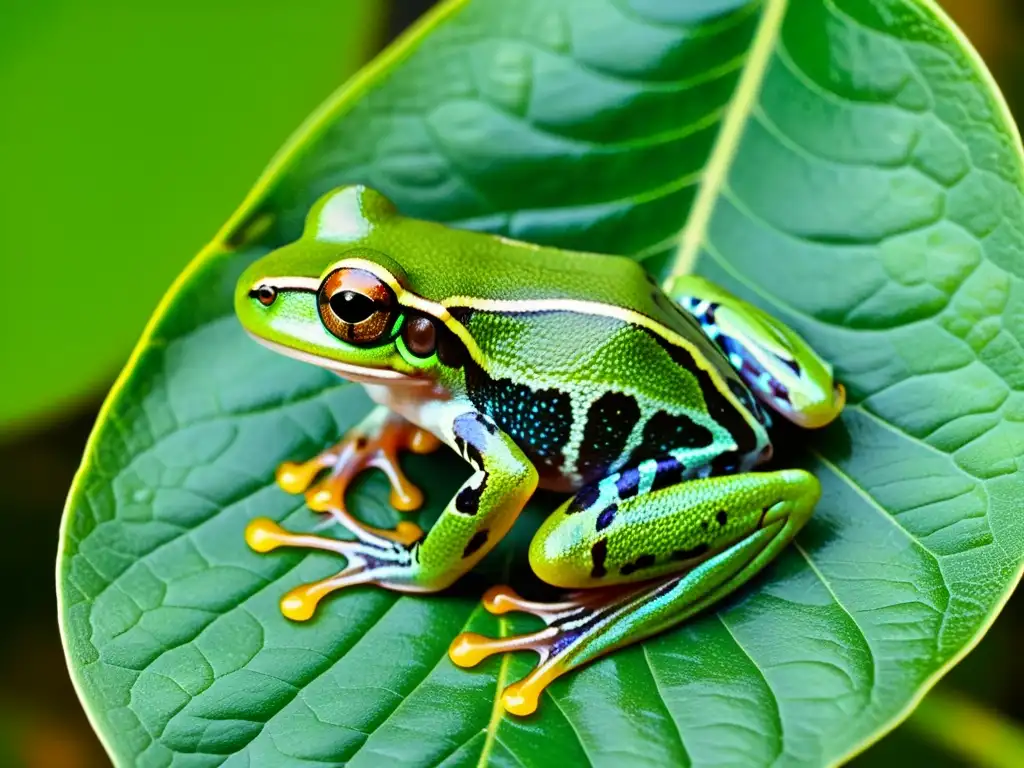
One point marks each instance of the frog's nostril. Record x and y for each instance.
(265, 295)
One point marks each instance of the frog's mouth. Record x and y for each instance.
(358, 373)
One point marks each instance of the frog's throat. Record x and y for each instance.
(357, 373)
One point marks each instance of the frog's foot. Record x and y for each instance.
(569, 624)
(369, 562)
(374, 443)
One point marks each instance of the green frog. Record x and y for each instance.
(648, 405)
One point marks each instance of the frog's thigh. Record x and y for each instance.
(603, 536)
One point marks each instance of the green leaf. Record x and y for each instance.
(847, 164)
(134, 129)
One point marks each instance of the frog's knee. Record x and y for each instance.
(553, 557)
(568, 552)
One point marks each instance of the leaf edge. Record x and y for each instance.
(278, 165)
(271, 174)
(1009, 124)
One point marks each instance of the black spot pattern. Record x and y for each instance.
(607, 516)
(470, 452)
(470, 432)
(599, 552)
(721, 410)
(610, 421)
(670, 472)
(644, 561)
(584, 499)
(478, 540)
(779, 392)
(538, 421)
(750, 370)
(628, 483)
(665, 431)
(467, 501)
(689, 554)
(722, 517)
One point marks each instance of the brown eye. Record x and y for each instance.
(420, 336)
(356, 306)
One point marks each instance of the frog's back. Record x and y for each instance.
(458, 263)
(457, 267)
(584, 361)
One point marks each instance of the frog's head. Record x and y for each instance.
(333, 299)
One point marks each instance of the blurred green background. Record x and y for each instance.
(129, 132)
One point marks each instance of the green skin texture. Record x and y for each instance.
(630, 404)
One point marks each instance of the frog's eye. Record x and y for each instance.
(356, 306)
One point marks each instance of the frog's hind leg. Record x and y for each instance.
(374, 443)
(776, 364)
(715, 533)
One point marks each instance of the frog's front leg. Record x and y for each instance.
(711, 535)
(478, 516)
(373, 443)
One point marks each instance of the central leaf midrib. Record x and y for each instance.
(497, 709)
(694, 231)
(727, 144)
